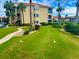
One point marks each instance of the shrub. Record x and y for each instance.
(37, 27)
(72, 28)
(18, 22)
(10, 25)
(56, 25)
(44, 24)
(49, 22)
(26, 32)
(27, 24)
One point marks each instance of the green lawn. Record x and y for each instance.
(47, 43)
(5, 31)
(26, 28)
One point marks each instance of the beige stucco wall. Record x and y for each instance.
(27, 15)
(43, 14)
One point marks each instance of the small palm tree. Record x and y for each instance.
(22, 7)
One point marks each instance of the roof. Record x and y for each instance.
(41, 5)
(55, 17)
(3, 17)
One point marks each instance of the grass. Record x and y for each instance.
(5, 31)
(47, 43)
(26, 28)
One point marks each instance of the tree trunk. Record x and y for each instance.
(59, 18)
(77, 14)
(15, 15)
(10, 21)
(30, 14)
(23, 16)
(77, 11)
(59, 15)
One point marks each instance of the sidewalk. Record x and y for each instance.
(20, 32)
(9, 36)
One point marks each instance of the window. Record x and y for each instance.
(49, 16)
(36, 15)
(49, 10)
(36, 7)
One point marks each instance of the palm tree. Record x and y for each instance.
(59, 10)
(10, 11)
(30, 1)
(22, 7)
(77, 12)
(16, 18)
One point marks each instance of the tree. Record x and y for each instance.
(10, 11)
(30, 1)
(22, 7)
(77, 12)
(59, 10)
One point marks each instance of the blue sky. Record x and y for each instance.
(69, 6)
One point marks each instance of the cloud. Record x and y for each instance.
(70, 5)
(71, 11)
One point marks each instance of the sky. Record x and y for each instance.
(69, 6)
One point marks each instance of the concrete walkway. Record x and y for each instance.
(9, 36)
(32, 32)
(20, 32)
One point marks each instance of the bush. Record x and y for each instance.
(56, 25)
(72, 28)
(26, 32)
(37, 27)
(10, 25)
(18, 22)
(49, 22)
(28, 24)
(44, 24)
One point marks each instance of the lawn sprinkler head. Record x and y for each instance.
(21, 41)
(54, 41)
